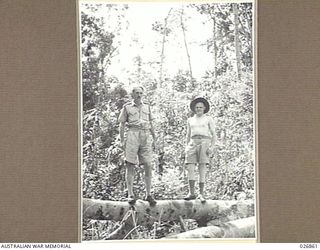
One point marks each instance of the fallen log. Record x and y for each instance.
(167, 210)
(242, 228)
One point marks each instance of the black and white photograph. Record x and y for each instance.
(168, 132)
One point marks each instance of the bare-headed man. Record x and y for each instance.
(136, 115)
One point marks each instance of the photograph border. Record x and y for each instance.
(256, 239)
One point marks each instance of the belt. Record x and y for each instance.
(138, 129)
(200, 137)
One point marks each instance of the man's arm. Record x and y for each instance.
(188, 133)
(152, 131)
(122, 120)
(121, 132)
(212, 131)
(152, 128)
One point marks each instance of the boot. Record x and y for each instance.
(191, 195)
(131, 200)
(201, 195)
(151, 200)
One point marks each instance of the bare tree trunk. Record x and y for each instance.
(214, 41)
(242, 228)
(215, 48)
(162, 49)
(249, 27)
(185, 43)
(168, 210)
(236, 38)
(247, 30)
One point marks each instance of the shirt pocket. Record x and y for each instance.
(145, 114)
(133, 115)
(190, 147)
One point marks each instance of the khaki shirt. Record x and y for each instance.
(135, 116)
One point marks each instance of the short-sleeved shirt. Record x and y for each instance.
(136, 116)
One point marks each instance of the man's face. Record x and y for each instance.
(199, 108)
(137, 94)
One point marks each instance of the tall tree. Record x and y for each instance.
(232, 33)
(214, 39)
(245, 32)
(210, 9)
(236, 38)
(164, 30)
(185, 42)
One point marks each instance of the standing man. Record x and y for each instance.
(200, 142)
(138, 145)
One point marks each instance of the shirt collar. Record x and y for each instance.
(133, 103)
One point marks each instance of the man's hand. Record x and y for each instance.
(183, 155)
(154, 145)
(209, 152)
(212, 151)
(121, 134)
(121, 145)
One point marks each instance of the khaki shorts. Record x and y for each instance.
(138, 146)
(196, 151)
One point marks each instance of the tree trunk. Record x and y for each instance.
(214, 40)
(185, 44)
(167, 210)
(163, 43)
(247, 31)
(242, 228)
(236, 38)
(215, 47)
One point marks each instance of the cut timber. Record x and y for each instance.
(242, 228)
(168, 210)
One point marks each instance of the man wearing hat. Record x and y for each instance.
(200, 141)
(138, 146)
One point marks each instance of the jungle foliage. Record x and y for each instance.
(228, 87)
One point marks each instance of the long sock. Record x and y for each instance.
(201, 187)
(148, 177)
(191, 186)
(130, 178)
